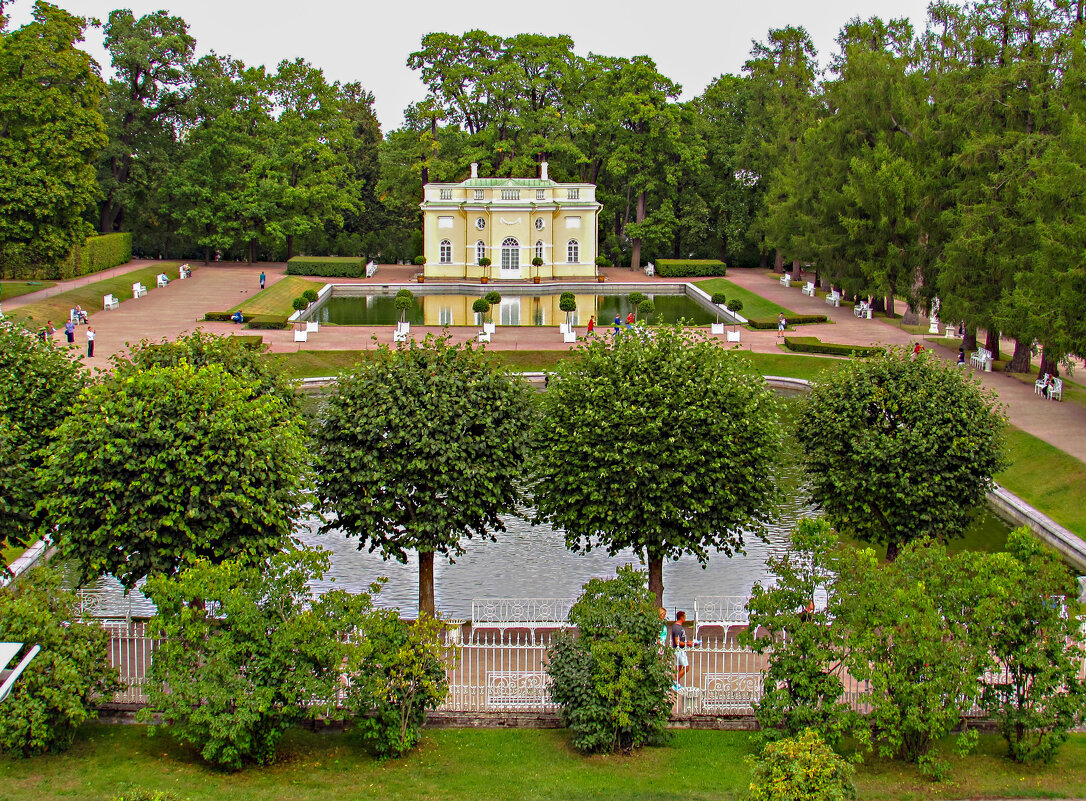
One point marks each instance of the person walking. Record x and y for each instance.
(678, 642)
(90, 342)
(618, 323)
(781, 323)
(69, 332)
(591, 323)
(50, 329)
(262, 279)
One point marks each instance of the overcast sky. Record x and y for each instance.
(692, 41)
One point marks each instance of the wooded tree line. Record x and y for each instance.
(945, 163)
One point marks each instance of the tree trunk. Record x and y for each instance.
(969, 341)
(778, 262)
(891, 310)
(1049, 365)
(290, 246)
(252, 251)
(1020, 361)
(991, 343)
(878, 304)
(763, 261)
(639, 216)
(893, 548)
(426, 584)
(207, 254)
(656, 578)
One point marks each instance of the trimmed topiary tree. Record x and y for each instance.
(402, 303)
(481, 306)
(735, 304)
(612, 680)
(646, 308)
(493, 298)
(454, 404)
(299, 303)
(310, 295)
(719, 299)
(623, 430)
(568, 304)
(420, 261)
(900, 448)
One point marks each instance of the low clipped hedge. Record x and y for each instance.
(267, 322)
(793, 319)
(217, 317)
(684, 268)
(96, 254)
(327, 266)
(815, 345)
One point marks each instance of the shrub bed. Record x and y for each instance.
(327, 266)
(96, 254)
(683, 268)
(267, 322)
(793, 319)
(815, 345)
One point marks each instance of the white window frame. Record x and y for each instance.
(541, 194)
(539, 249)
(480, 251)
(510, 194)
(478, 194)
(573, 252)
(444, 252)
(510, 249)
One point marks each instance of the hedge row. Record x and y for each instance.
(684, 268)
(815, 345)
(793, 319)
(327, 266)
(264, 322)
(96, 254)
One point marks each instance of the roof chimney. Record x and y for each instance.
(475, 169)
(543, 170)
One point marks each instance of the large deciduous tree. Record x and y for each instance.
(899, 448)
(38, 385)
(157, 468)
(420, 447)
(51, 131)
(660, 442)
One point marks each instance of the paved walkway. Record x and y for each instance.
(179, 307)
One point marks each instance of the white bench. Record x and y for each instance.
(650, 269)
(518, 689)
(808, 289)
(786, 279)
(371, 269)
(162, 280)
(184, 271)
(726, 611)
(138, 290)
(1055, 392)
(733, 336)
(519, 613)
(110, 302)
(982, 359)
(834, 298)
(862, 310)
(730, 692)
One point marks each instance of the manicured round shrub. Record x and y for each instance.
(480, 306)
(646, 308)
(735, 304)
(310, 295)
(718, 298)
(485, 262)
(402, 304)
(567, 304)
(299, 303)
(565, 295)
(800, 769)
(493, 298)
(405, 293)
(537, 262)
(636, 298)
(420, 260)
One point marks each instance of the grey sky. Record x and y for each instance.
(692, 41)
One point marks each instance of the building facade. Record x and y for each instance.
(510, 221)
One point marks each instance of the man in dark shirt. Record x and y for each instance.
(678, 642)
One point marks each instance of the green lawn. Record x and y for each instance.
(90, 296)
(9, 555)
(755, 307)
(481, 764)
(276, 299)
(13, 289)
(1046, 478)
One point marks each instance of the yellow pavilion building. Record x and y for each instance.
(510, 221)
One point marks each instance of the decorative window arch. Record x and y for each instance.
(510, 254)
(573, 252)
(539, 249)
(444, 251)
(480, 251)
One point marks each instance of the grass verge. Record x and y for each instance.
(483, 764)
(90, 296)
(276, 299)
(1046, 478)
(755, 307)
(13, 289)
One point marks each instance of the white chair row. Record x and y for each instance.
(808, 289)
(1054, 386)
(982, 359)
(862, 310)
(833, 298)
(786, 279)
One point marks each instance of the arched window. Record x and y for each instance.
(510, 254)
(445, 252)
(573, 252)
(539, 249)
(480, 251)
